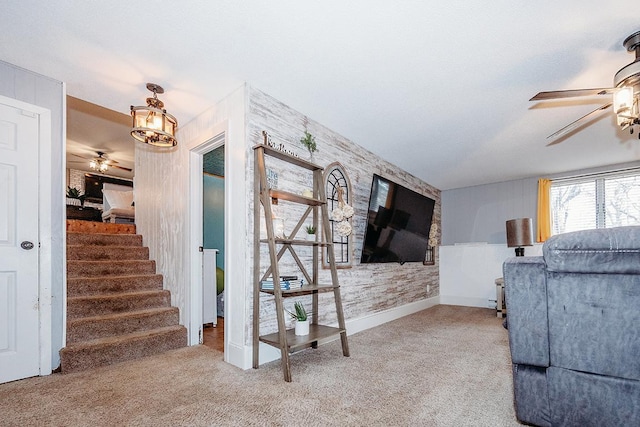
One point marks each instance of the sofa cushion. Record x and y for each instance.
(579, 399)
(604, 250)
(594, 323)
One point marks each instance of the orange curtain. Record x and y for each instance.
(543, 230)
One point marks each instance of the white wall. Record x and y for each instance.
(162, 193)
(479, 213)
(468, 272)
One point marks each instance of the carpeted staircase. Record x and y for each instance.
(116, 307)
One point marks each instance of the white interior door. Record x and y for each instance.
(19, 263)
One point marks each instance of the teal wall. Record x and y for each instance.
(213, 215)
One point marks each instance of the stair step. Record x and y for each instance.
(95, 327)
(97, 305)
(105, 351)
(102, 239)
(77, 268)
(116, 307)
(86, 286)
(102, 253)
(81, 226)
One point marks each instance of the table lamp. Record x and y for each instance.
(519, 234)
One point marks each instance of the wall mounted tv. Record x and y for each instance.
(398, 224)
(93, 186)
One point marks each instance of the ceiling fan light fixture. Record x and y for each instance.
(623, 100)
(624, 106)
(152, 124)
(625, 90)
(99, 164)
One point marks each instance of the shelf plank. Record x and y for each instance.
(304, 290)
(287, 157)
(293, 197)
(296, 242)
(316, 333)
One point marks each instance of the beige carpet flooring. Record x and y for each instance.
(445, 366)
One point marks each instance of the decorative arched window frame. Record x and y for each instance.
(335, 177)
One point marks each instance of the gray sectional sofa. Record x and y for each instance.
(574, 329)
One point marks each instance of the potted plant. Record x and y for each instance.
(300, 316)
(74, 193)
(311, 232)
(309, 141)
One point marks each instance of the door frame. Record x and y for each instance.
(196, 153)
(45, 267)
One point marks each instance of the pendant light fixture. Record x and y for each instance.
(152, 124)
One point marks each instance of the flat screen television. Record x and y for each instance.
(398, 224)
(93, 186)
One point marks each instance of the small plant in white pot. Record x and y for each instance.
(311, 232)
(302, 321)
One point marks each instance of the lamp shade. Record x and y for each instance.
(519, 232)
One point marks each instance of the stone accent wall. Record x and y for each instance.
(75, 179)
(366, 288)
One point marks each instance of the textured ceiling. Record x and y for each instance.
(90, 129)
(440, 89)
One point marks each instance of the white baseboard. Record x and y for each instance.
(465, 301)
(237, 356)
(269, 353)
(372, 320)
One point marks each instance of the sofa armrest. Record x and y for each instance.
(526, 298)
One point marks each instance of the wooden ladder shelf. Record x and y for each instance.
(284, 339)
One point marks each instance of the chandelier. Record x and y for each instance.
(152, 124)
(99, 164)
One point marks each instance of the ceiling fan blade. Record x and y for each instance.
(559, 94)
(121, 167)
(568, 128)
(77, 155)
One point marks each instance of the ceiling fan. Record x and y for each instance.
(101, 163)
(625, 91)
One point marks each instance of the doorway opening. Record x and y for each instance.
(213, 243)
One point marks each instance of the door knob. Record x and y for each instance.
(26, 245)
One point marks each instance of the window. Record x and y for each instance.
(596, 201)
(335, 178)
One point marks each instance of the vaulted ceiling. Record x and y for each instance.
(440, 89)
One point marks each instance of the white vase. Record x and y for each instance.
(302, 327)
(311, 237)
